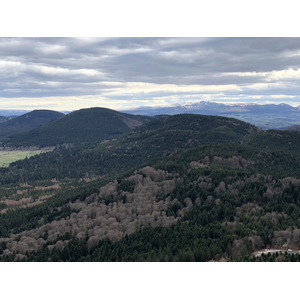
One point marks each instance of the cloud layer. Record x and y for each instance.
(71, 73)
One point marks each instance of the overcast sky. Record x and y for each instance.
(120, 73)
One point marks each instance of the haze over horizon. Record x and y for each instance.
(67, 74)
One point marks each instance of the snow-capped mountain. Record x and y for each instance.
(265, 116)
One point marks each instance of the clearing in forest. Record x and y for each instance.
(7, 157)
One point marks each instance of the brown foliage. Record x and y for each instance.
(97, 220)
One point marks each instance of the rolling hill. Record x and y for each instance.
(151, 140)
(82, 126)
(28, 121)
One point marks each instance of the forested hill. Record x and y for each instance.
(279, 140)
(207, 203)
(213, 128)
(81, 126)
(178, 188)
(154, 139)
(28, 121)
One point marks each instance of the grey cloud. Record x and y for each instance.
(208, 57)
(181, 61)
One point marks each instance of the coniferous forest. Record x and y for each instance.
(118, 187)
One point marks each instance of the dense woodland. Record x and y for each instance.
(176, 188)
(81, 126)
(26, 122)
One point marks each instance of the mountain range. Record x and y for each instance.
(267, 116)
(294, 128)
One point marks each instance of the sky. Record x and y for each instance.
(124, 69)
(121, 73)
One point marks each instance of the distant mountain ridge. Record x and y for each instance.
(13, 112)
(264, 116)
(294, 128)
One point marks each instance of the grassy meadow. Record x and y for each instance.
(7, 157)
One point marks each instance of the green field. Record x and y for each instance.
(7, 157)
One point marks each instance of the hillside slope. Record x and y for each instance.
(279, 140)
(205, 203)
(28, 121)
(154, 139)
(81, 126)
